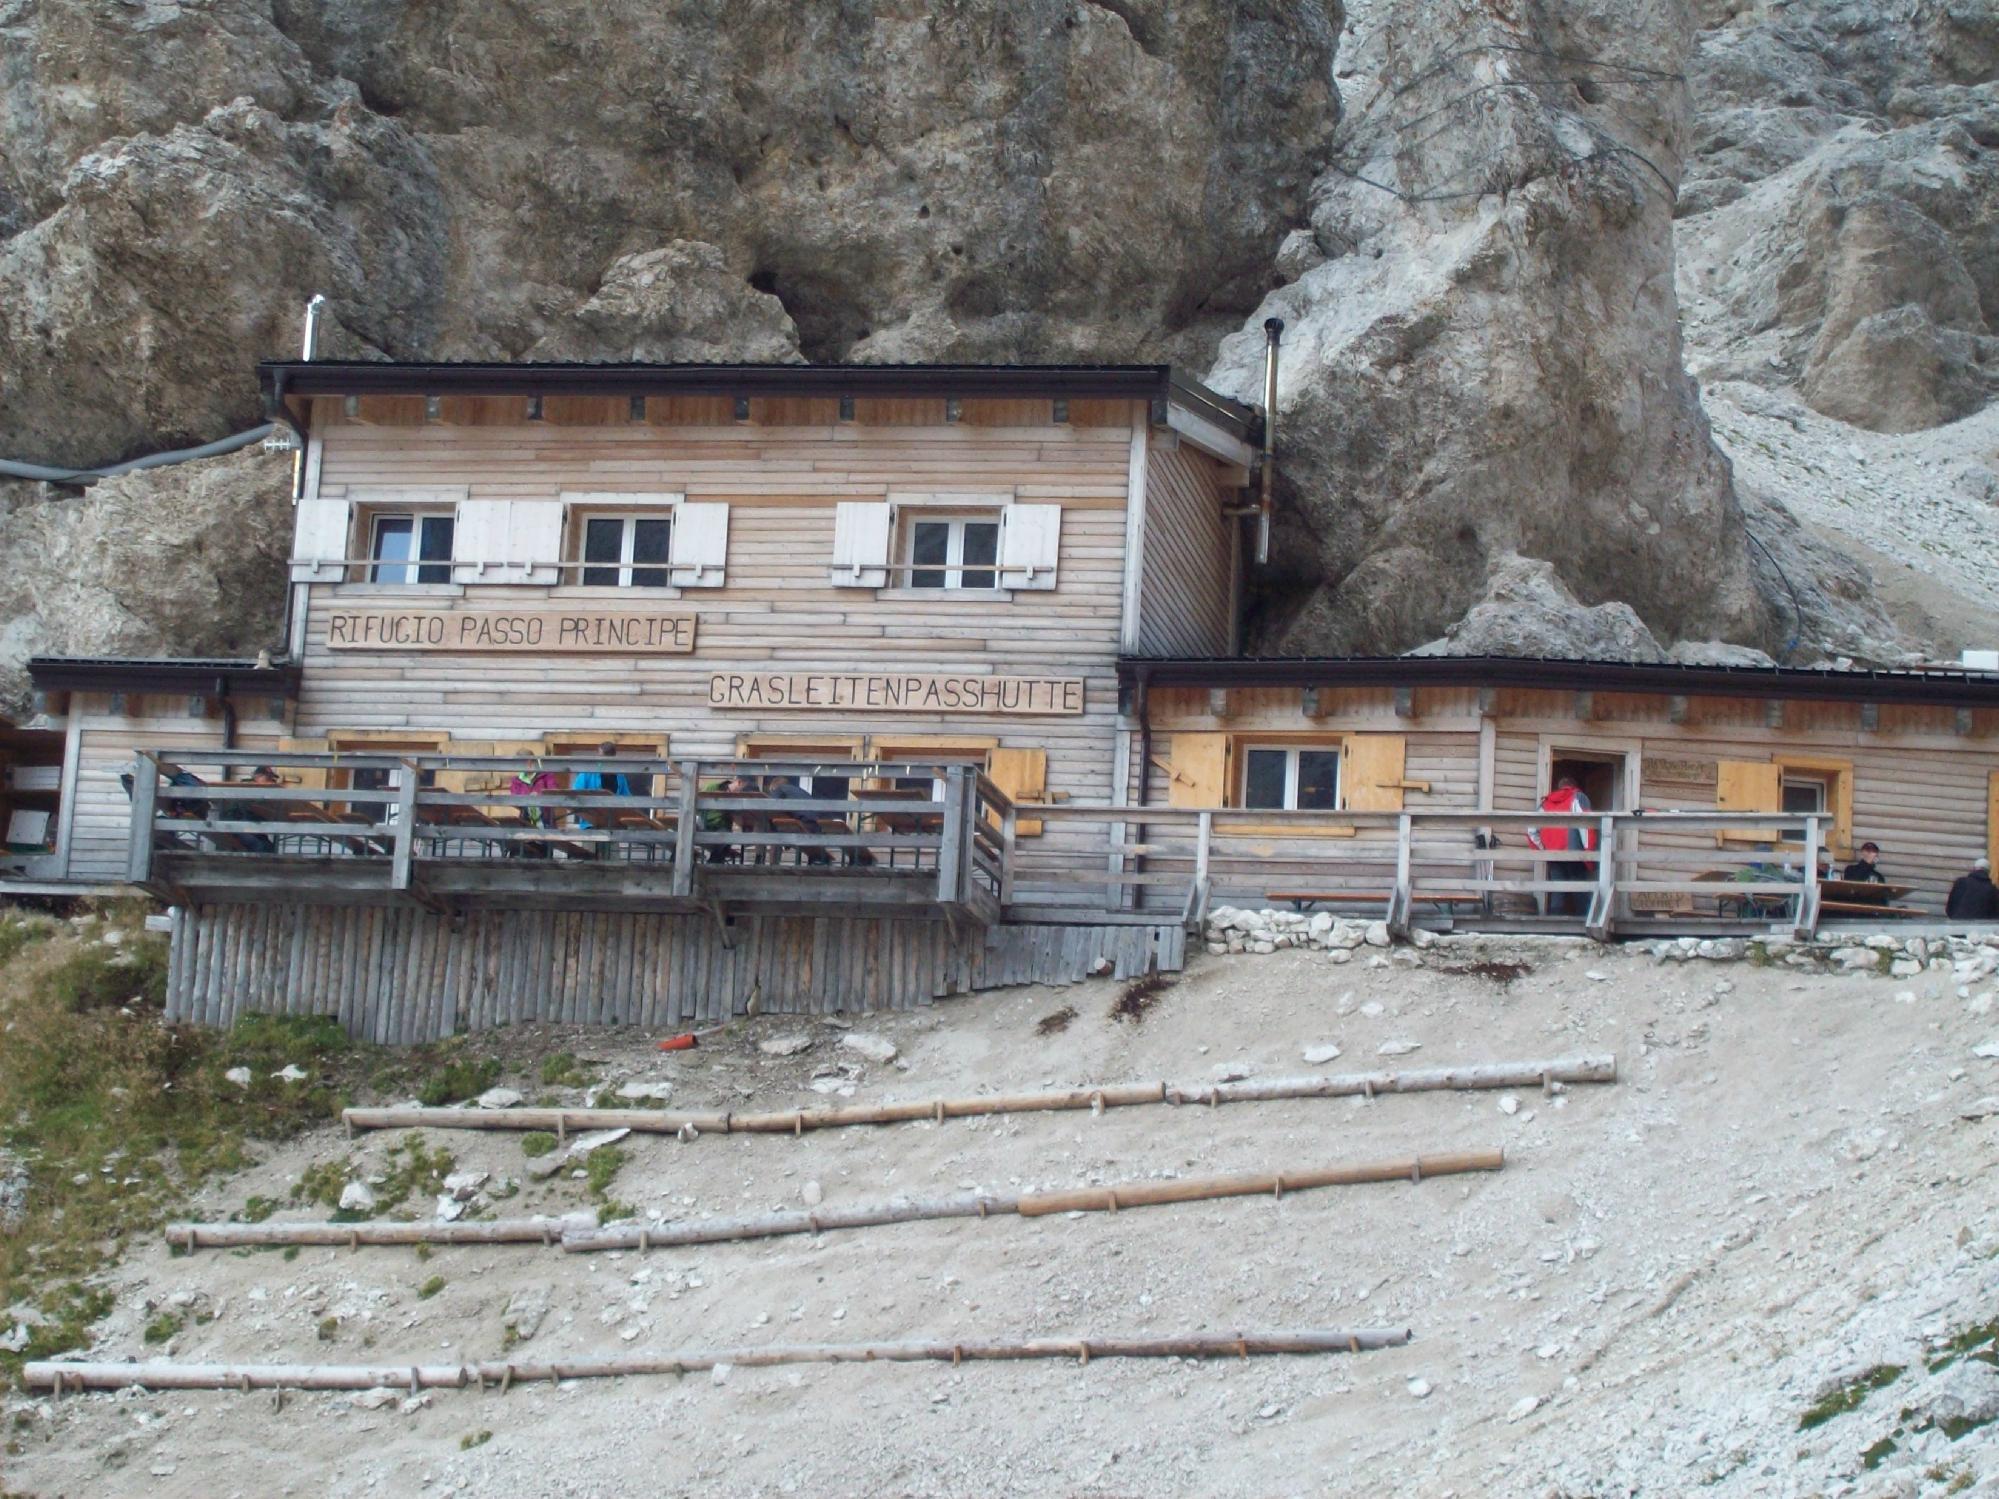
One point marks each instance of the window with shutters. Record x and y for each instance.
(410, 546)
(1290, 778)
(1787, 783)
(952, 551)
(624, 550)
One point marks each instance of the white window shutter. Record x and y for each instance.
(700, 547)
(1030, 542)
(861, 531)
(480, 537)
(534, 538)
(320, 539)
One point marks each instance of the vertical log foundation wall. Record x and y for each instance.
(402, 975)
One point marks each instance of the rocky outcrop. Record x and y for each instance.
(187, 560)
(1840, 219)
(1485, 365)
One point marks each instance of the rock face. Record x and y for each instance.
(1486, 364)
(1840, 218)
(997, 179)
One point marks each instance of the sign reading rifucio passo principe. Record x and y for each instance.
(615, 632)
(883, 692)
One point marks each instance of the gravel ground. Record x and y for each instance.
(1778, 1195)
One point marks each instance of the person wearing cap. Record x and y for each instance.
(1972, 896)
(1867, 867)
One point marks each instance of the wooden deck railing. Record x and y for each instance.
(932, 829)
(1393, 864)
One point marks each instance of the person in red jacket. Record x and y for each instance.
(1566, 797)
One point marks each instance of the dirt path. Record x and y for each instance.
(1778, 1195)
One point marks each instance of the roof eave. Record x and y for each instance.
(198, 678)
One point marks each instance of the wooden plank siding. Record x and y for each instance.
(1185, 590)
(485, 969)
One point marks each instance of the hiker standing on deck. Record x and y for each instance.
(1566, 797)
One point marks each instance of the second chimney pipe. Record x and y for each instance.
(1273, 329)
(312, 311)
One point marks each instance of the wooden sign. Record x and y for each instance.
(871, 692)
(1681, 772)
(611, 632)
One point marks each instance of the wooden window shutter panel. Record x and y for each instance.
(1200, 764)
(1992, 817)
(1023, 775)
(861, 534)
(1030, 545)
(1371, 772)
(480, 536)
(310, 777)
(1842, 811)
(534, 537)
(700, 546)
(1748, 786)
(321, 533)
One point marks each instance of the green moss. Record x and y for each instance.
(430, 1288)
(1849, 1396)
(18, 933)
(162, 1328)
(328, 1326)
(609, 1211)
(1980, 1341)
(256, 1209)
(1876, 1455)
(474, 1439)
(457, 1080)
(563, 1070)
(537, 1143)
(601, 1167)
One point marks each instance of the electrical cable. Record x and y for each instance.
(1797, 609)
(13, 468)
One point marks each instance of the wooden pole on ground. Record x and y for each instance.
(1598, 1068)
(167, 1375)
(584, 1238)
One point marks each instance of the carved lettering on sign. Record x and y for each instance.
(553, 632)
(871, 692)
(1683, 772)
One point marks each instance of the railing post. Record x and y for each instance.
(1009, 836)
(1807, 919)
(684, 847)
(145, 809)
(1604, 903)
(952, 852)
(403, 869)
(1204, 838)
(1401, 902)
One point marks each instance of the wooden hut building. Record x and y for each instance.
(914, 680)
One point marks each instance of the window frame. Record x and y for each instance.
(628, 519)
(1292, 753)
(419, 517)
(954, 567)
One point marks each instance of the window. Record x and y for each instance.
(626, 551)
(411, 548)
(1290, 778)
(954, 551)
(1802, 794)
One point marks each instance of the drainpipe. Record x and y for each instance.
(1273, 329)
(1144, 736)
(308, 349)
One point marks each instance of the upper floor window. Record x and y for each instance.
(1291, 778)
(626, 551)
(955, 551)
(410, 547)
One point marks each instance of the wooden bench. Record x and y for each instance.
(1867, 908)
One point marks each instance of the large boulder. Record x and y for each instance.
(1486, 365)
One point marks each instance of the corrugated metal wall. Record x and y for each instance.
(402, 975)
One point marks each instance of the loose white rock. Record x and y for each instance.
(291, 1072)
(658, 1092)
(1318, 1054)
(582, 1145)
(1988, 1049)
(498, 1098)
(356, 1197)
(240, 1076)
(1397, 1048)
(1524, 1407)
(785, 1046)
(1508, 1104)
(812, 1194)
(463, 1186)
(874, 1048)
(1419, 1388)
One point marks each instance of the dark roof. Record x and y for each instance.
(1947, 687)
(207, 677)
(1147, 382)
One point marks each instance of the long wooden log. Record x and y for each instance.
(1594, 1068)
(167, 1375)
(537, 1230)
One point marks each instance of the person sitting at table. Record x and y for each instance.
(783, 788)
(535, 783)
(1972, 897)
(1866, 870)
(263, 775)
(593, 780)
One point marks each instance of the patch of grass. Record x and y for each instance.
(96, 977)
(328, 1327)
(609, 1211)
(1848, 1397)
(18, 933)
(322, 1182)
(430, 1288)
(601, 1167)
(256, 1209)
(1979, 1341)
(474, 1439)
(457, 1080)
(422, 1254)
(1872, 1457)
(412, 1169)
(537, 1143)
(290, 1254)
(162, 1328)
(1055, 1024)
(1139, 996)
(562, 1070)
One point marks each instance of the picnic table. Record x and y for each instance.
(1867, 898)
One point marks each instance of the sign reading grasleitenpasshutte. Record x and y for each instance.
(614, 632)
(886, 692)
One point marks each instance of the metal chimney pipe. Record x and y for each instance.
(1273, 330)
(312, 310)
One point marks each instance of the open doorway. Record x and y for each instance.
(1601, 774)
